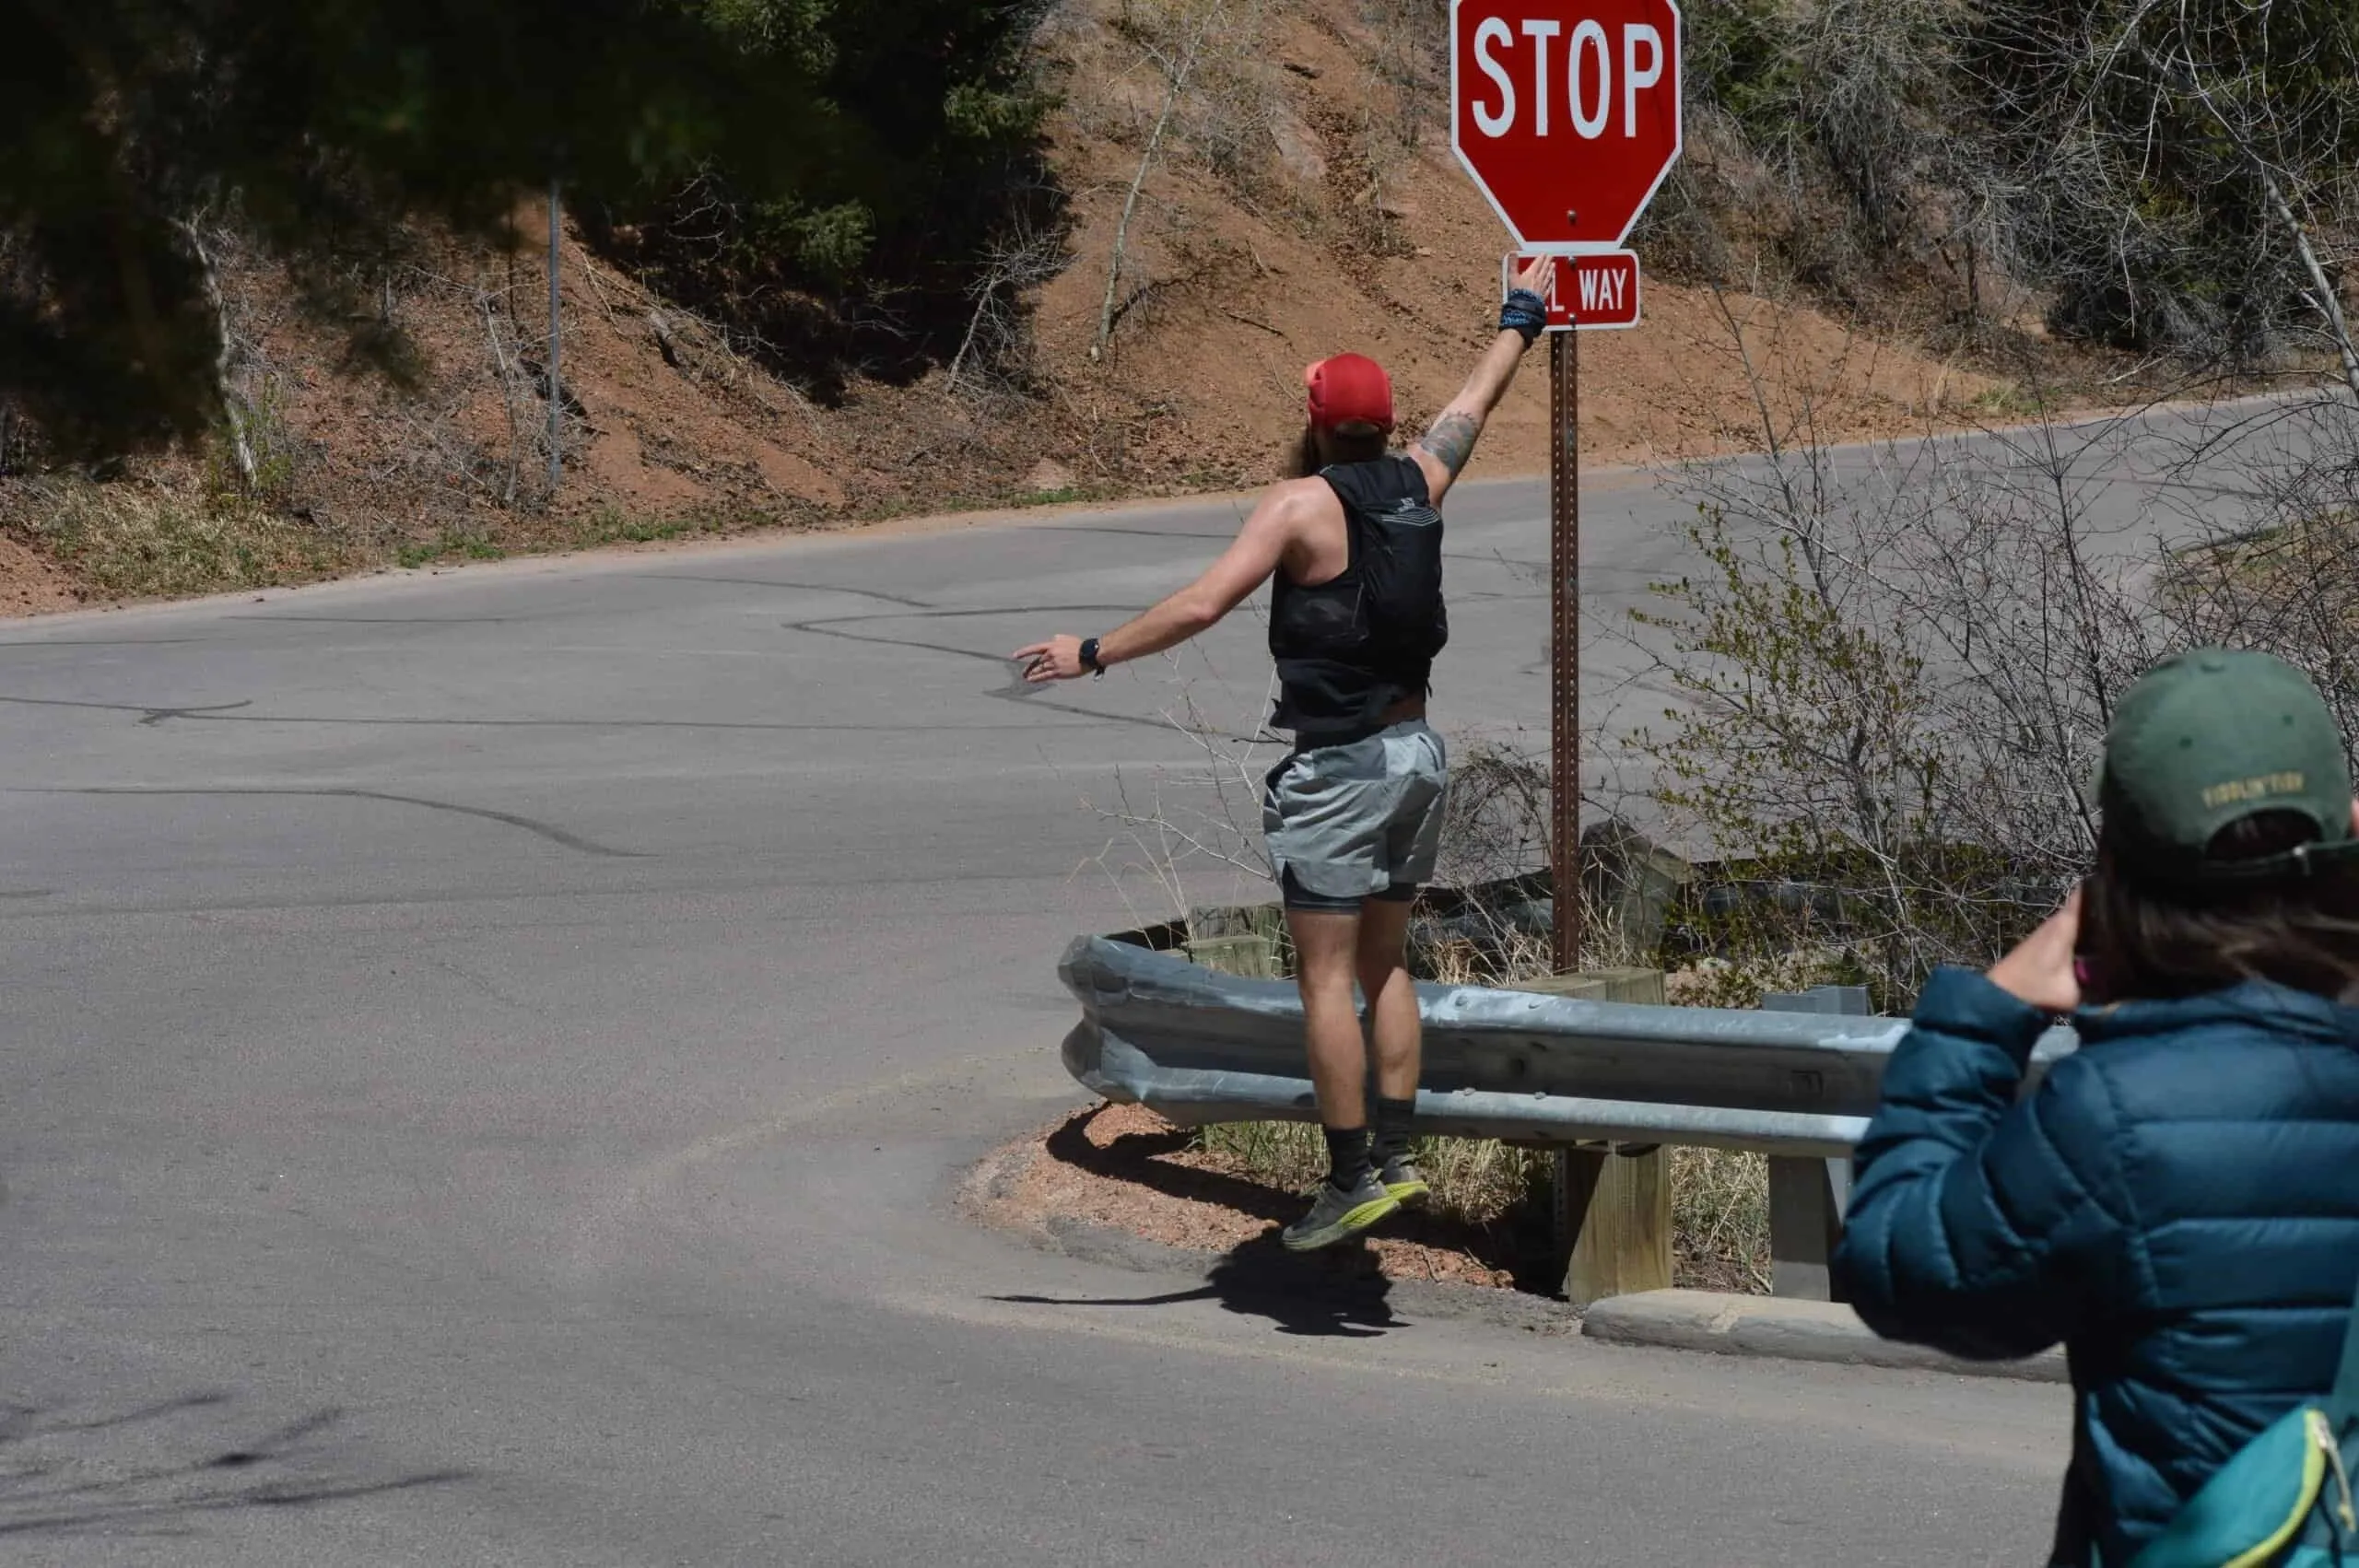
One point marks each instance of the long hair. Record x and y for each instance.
(1353, 441)
(2144, 938)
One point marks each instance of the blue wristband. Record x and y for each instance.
(1524, 312)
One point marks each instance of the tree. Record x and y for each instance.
(2182, 176)
(322, 128)
(2173, 158)
(923, 172)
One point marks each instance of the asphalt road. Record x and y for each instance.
(486, 1057)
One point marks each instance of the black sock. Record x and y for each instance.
(1392, 1120)
(1347, 1159)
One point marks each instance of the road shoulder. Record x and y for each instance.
(1723, 1324)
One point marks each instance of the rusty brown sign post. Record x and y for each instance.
(1567, 114)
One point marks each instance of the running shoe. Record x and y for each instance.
(1407, 1184)
(1335, 1214)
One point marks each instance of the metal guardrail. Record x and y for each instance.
(1201, 1046)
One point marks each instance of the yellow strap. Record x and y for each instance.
(2314, 1463)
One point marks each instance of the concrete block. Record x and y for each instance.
(1725, 1324)
(1600, 985)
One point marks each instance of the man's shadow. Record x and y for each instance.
(1337, 1291)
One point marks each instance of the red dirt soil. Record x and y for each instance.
(30, 583)
(1124, 1168)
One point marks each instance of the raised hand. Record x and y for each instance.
(2040, 969)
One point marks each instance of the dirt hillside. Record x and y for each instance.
(1302, 200)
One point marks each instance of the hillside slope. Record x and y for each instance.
(1301, 199)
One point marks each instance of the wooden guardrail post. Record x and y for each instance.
(1247, 941)
(1613, 1210)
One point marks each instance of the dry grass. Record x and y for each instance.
(2309, 554)
(1477, 1181)
(1460, 961)
(1719, 1220)
(1481, 1179)
(1719, 1201)
(141, 541)
(1288, 1155)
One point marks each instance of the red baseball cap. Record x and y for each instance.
(1349, 387)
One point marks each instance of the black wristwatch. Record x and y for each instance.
(1089, 656)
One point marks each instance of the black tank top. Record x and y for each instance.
(1350, 647)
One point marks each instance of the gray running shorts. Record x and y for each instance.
(1358, 821)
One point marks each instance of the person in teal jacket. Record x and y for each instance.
(2177, 1203)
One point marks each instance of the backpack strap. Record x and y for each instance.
(1376, 485)
(2342, 1400)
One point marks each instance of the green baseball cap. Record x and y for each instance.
(2211, 736)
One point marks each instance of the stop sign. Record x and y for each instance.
(1566, 112)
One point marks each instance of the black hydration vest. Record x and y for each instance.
(1349, 648)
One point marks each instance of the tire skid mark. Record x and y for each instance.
(1017, 689)
(550, 831)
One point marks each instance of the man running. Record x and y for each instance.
(1352, 548)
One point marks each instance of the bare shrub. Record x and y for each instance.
(1404, 105)
(1825, 144)
(1410, 59)
(1179, 829)
(1216, 102)
(1893, 671)
(2179, 180)
(2275, 562)
(995, 356)
(1496, 825)
(1877, 779)
(2184, 172)
(1228, 115)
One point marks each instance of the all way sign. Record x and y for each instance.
(1587, 292)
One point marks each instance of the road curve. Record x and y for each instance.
(486, 1056)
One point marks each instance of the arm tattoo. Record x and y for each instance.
(1452, 440)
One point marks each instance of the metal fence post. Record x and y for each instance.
(1807, 1195)
(1564, 648)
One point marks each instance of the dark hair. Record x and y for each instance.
(1353, 440)
(2147, 939)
